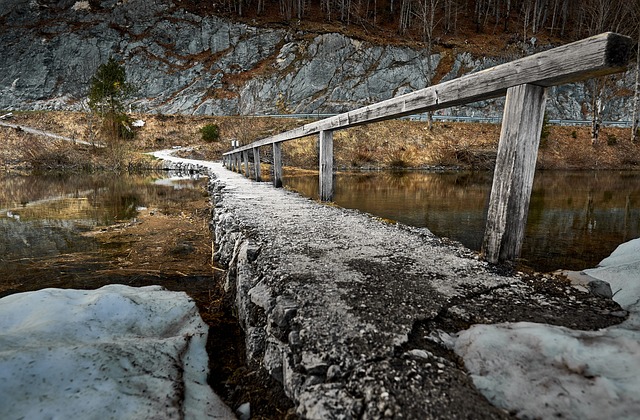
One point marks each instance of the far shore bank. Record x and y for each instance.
(389, 145)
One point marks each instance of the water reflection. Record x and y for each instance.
(43, 216)
(575, 218)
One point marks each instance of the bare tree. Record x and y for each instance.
(636, 99)
(427, 13)
(451, 8)
(405, 16)
(601, 16)
(526, 12)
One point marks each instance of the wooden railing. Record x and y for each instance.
(524, 82)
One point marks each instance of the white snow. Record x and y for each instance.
(543, 371)
(115, 352)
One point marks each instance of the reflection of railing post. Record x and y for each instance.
(513, 176)
(256, 162)
(326, 165)
(277, 164)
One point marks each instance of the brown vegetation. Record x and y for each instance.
(390, 144)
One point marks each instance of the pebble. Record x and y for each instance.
(600, 288)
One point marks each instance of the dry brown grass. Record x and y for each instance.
(389, 144)
(572, 148)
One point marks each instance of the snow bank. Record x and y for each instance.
(621, 270)
(115, 352)
(543, 371)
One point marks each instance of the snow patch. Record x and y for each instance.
(543, 371)
(116, 352)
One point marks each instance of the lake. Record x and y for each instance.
(575, 218)
(43, 217)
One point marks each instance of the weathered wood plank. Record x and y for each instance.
(513, 175)
(326, 165)
(277, 165)
(245, 158)
(256, 163)
(599, 55)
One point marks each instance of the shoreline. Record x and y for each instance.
(391, 145)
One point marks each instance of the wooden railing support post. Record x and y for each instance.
(256, 163)
(277, 165)
(238, 162)
(513, 175)
(245, 157)
(326, 165)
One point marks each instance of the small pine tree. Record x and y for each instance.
(108, 93)
(210, 133)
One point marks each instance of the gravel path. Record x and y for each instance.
(352, 314)
(48, 134)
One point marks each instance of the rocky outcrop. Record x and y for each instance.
(182, 63)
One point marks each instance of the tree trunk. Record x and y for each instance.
(596, 107)
(636, 99)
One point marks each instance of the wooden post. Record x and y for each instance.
(513, 175)
(277, 165)
(326, 165)
(238, 159)
(256, 163)
(245, 157)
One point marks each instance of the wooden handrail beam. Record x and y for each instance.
(598, 55)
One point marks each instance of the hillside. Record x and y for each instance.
(186, 58)
(395, 144)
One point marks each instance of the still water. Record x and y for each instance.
(45, 216)
(575, 218)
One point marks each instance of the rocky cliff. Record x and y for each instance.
(189, 64)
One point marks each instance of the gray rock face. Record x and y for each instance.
(334, 73)
(187, 64)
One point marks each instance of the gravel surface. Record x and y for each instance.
(346, 310)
